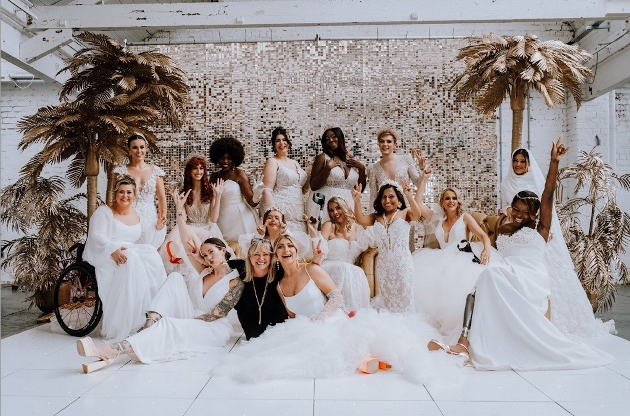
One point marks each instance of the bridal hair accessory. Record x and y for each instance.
(196, 156)
(394, 184)
(273, 209)
(525, 197)
(465, 247)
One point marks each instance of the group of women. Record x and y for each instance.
(425, 297)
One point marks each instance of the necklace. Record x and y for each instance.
(262, 300)
(387, 223)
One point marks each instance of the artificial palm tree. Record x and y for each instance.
(49, 225)
(508, 66)
(112, 93)
(596, 247)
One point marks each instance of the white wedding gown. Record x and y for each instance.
(299, 348)
(236, 217)
(394, 267)
(288, 197)
(126, 289)
(340, 265)
(444, 277)
(336, 185)
(145, 196)
(178, 335)
(509, 329)
(571, 311)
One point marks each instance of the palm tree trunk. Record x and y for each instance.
(109, 197)
(91, 171)
(517, 105)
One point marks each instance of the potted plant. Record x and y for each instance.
(49, 224)
(597, 244)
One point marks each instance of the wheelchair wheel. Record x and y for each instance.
(77, 306)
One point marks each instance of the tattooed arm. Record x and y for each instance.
(227, 303)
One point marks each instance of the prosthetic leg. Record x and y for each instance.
(462, 343)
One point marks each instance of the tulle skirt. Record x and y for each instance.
(300, 348)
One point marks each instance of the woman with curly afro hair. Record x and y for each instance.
(236, 213)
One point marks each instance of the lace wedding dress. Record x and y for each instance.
(394, 267)
(509, 329)
(287, 196)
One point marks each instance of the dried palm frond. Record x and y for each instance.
(497, 67)
(112, 93)
(596, 247)
(49, 223)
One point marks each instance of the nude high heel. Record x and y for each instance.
(87, 348)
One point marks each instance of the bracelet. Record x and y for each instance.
(180, 214)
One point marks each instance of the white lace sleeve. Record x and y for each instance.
(335, 299)
(158, 171)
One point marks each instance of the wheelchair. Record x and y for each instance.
(76, 303)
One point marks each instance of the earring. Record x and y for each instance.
(400, 205)
(278, 266)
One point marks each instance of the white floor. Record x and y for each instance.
(41, 375)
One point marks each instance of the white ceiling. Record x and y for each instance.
(37, 35)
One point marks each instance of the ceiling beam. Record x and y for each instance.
(609, 75)
(545, 31)
(45, 68)
(263, 14)
(44, 43)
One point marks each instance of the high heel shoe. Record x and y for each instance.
(369, 366)
(435, 345)
(87, 348)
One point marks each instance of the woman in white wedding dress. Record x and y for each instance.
(394, 267)
(189, 313)
(201, 212)
(236, 215)
(149, 180)
(445, 276)
(285, 182)
(571, 311)
(510, 328)
(321, 341)
(345, 241)
(335, 171)
(122, 247)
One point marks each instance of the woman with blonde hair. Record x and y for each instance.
(122, 247)
(345, 241)
(444, 277)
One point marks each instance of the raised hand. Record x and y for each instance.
(406, 186)
(318, 253)
(262, 228)
(356, 192)
(218, 187)
(558, 150)
(258, 188)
